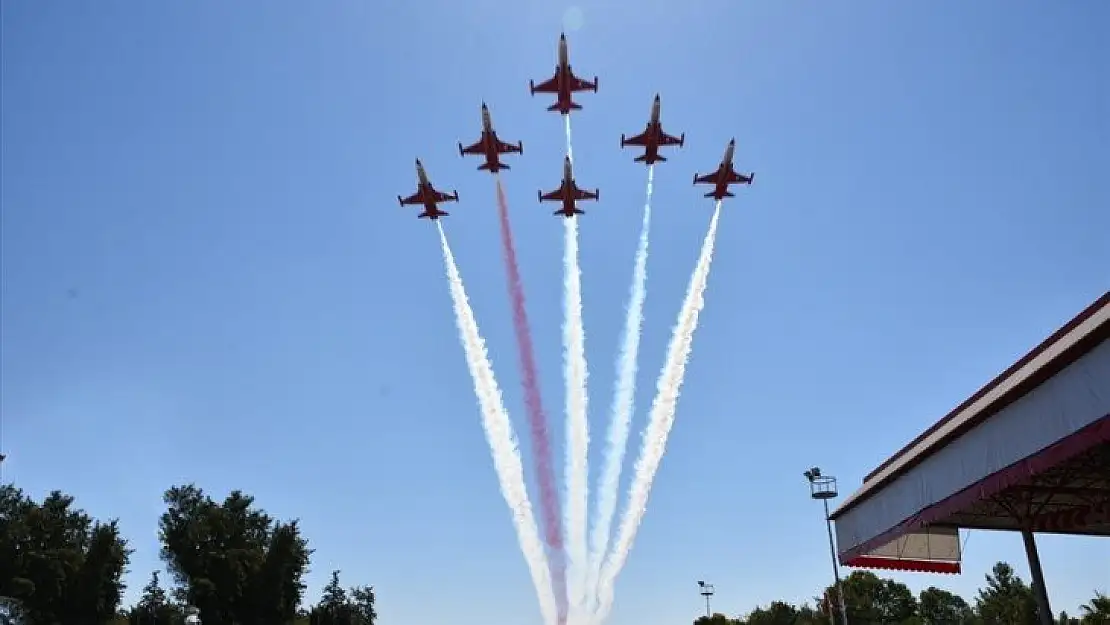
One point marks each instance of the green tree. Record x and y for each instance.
(334, 607)
(1097, 611)
(344, 607)
(1064, 619)
(717, 619)
(810, 616)
(778, 613)
(154, 607)
(1006, 600)
(11, 611)
(231, 560)
(57, 562)
(938, 606)
(362, 598)
(871, 599)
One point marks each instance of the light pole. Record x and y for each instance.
(823, 487)
(706, 590)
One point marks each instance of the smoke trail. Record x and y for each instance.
(537, 418)
(623, 402)
(577, 424)
(566, 131)
(578, 435)
(660, 421)
(499, 433)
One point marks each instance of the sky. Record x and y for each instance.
(206, 276)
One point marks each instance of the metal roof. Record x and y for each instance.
(1075, 338)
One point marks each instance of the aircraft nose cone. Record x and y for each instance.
(484, 106)
(562, 36)
(657, 98)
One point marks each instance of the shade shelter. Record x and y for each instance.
(1029, 452)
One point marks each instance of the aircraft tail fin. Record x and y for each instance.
(642, 159)
(486, 167)
(727, 194)
(435, 215)
(574, 106)
(577, 211)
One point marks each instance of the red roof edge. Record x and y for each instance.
(901, 564)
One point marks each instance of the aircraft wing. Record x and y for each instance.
(554, 196)
(444, 197)
(734, 177)
(580, 194)
(577, 84)
(506, 148)
(706, 179)
(415, 198)
(547, 86)
(666, 139)
(476, 148)
(640, 139)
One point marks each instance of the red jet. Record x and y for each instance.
(568, 193)
(427, 195)
(490, 146)
(652, 138)
(564, 83)
(724, 176)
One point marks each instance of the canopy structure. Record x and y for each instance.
(1028, 452)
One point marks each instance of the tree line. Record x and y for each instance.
(872, 600)
(229, 563)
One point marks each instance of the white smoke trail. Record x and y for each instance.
(624, 399)
(502, 441)
(578, 434)
(566, 131)
(660, 421)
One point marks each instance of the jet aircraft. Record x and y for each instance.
(652, 138)
(564, 83)
(724, 176)
(490, 146)
(568, 193)
(427, 195)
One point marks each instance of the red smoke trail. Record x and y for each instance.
(537, 418)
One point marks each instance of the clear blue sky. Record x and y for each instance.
(206, 275)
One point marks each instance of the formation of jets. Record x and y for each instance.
(564, 84)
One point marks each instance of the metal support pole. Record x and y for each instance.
(836, 568)
(1040, 593)
(707, 592)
